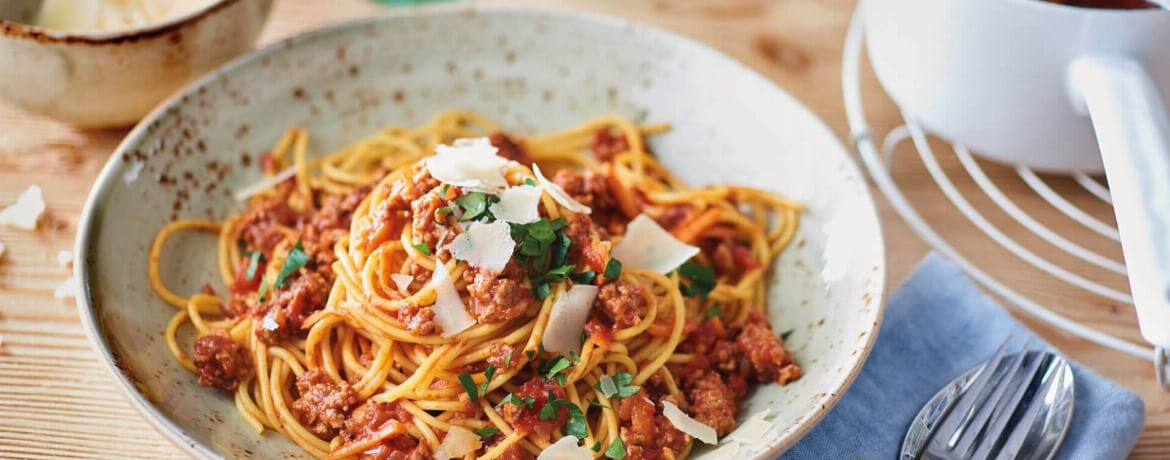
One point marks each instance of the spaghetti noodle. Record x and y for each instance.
(351, 327)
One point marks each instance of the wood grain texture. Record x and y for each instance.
(47, 369)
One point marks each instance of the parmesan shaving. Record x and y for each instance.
(66, 290)
(26, 212)
(450, 313)
(265, 184)
(484, 245)
(649, 247)
(469, 163)
(688, 425)
(458, 443)
(751, 431)
(64, 258)
(727, 450)
(558, 194)
(567, 319)
(402, 281)
(566, 448)
(518, 205)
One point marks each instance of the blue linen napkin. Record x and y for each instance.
(938, 325)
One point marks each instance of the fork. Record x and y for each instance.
(995, 416)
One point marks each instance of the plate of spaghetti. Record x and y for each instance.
(448, 235)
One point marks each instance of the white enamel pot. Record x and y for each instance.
(1053, 87)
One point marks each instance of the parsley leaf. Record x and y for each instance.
(585, 277)
(576, 426)
(701, 277)
(443, 211)
(617, 386)
(529, 181)
(594, 403)
(616, 450)
(475, 205)
(263, 290)
(255, 257)
(713, 312)
(508, 360)
(541, 290)
(295, 259)
(527, 401)
(487, 432)
(549, 410)
(443, 192)
(469, 386)
(530, 354)
(550, 369)
(562, 251)
(422, 247)
(596, 446)
(613, 269)
(488, 374)
(784, 335)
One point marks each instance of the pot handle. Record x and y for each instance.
(1133, 131)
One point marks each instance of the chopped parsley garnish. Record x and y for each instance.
(701, 277)
(488, 374)
(487, 432)
(784, 335)
(263, 290)
(254, 259)
(295, 259)
(469, 386)
(585, 277)
(596, 404)
(576, 424)
(617, 386)
(508, 360)
(545, 248)
(527, 401)
(422, 247)
(475, 205)
(574, 357)
(640, 117)
(584, 337)
(596, 446)
(616, 450)
(713, 312)
(443, 211)
(551, 370)
(443, 192)
(613, 269)
(530, 354)
(529, 181)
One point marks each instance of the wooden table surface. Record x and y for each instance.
(56, 401)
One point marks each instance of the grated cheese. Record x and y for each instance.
(457, 443)
(484, 245)
(450, 313)
(26, 212)
(567, 319)
(469, 163)
(688, 425)
(518, 205)
(558, 194)
(648, 246)
(67, 289)
(64, 258)
(402, 280)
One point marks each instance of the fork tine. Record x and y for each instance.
(960, 412)
(1054, 373)
(997, 426)
(976, 432)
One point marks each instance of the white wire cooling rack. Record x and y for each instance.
(878, 155)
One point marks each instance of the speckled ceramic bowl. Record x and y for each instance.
(531, 70)
(98, 79)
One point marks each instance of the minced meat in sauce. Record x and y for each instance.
(222, 362)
